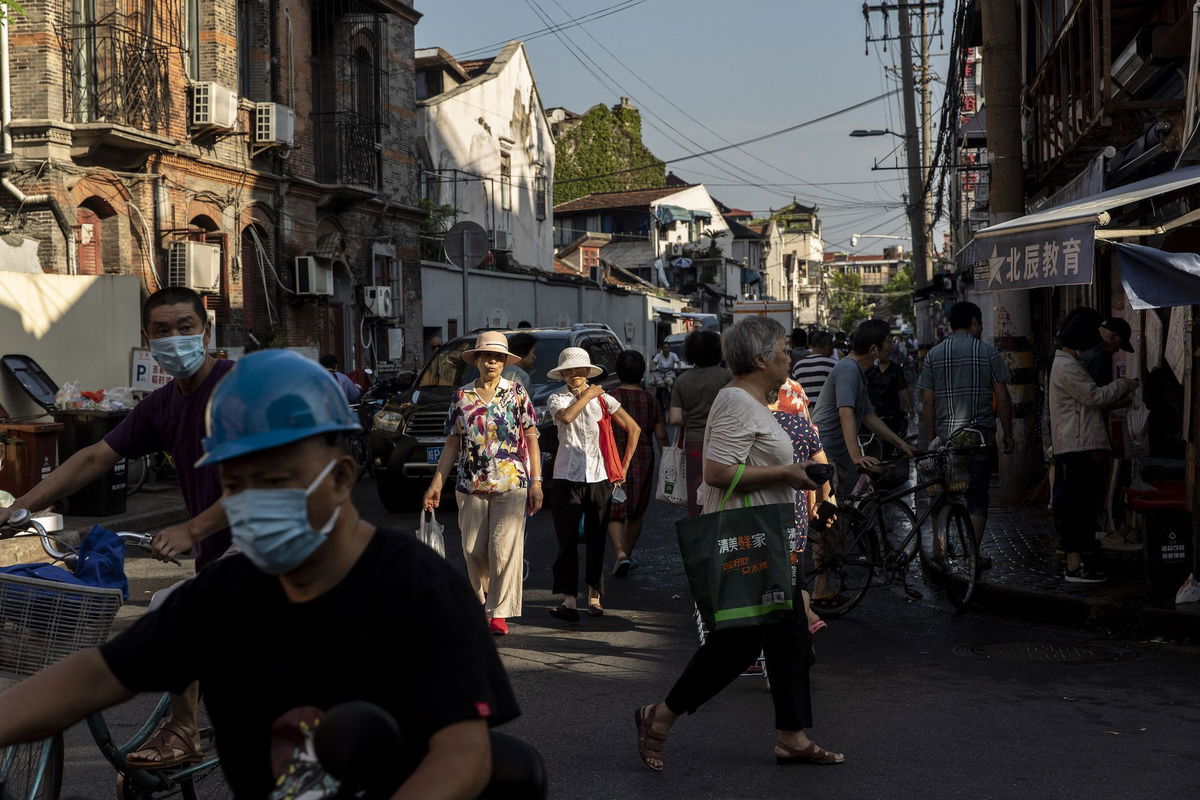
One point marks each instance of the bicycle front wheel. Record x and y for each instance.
(844, 559)
(32, 771)
(959, 554)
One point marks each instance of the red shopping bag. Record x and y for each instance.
(613, 464)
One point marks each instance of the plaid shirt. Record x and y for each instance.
(961, 372)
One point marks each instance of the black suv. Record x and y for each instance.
(408, 435)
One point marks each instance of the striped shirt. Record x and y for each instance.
(961, 371)
(811, 372)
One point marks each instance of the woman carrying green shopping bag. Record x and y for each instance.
(745, 447)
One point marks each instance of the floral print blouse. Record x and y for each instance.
(494, 452)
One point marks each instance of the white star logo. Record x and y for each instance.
(995, 264)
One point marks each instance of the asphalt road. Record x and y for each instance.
(923, 703)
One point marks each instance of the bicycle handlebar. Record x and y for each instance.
(23, 520)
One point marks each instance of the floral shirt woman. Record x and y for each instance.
(494, 453)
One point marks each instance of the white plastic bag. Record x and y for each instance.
(672, 475)
(430, 533)
(118, 398)
(68, 396)
(1189, 592)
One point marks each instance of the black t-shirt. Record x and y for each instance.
(402, 630)
(885, 388)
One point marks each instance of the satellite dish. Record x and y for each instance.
(467, 244)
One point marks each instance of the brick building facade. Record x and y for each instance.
(138, 126)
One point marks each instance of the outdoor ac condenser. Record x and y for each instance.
(378, 301)
(214, 107)
(196, 265)
(313, 277)
(274, 124)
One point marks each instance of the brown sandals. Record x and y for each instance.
(813, 754)
(171, 745)
(650, 741)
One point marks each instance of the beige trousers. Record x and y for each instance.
(493, 541)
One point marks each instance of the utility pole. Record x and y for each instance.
(917, 140)
(1009, 322)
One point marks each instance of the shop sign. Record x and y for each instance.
(1028, 259)
(146, 374)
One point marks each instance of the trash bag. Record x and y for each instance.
(68, 396)
(430, 533)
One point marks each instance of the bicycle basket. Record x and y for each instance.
(44, 621)
(952, 469)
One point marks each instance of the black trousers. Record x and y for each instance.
(571, 502)
(726, 653)
(1077, 481)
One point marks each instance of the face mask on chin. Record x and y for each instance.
(271, 525)
(179, 356)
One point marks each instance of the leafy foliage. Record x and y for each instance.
(604, 141)
(846, 305)
(439, 218)
(897, 296)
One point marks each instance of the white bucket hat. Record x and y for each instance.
(573, 358)
(491, 342)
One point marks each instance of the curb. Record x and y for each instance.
(1125, 619)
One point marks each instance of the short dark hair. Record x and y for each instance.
(328, 361)
(172, 296)
(799, 337)
(702, 348)
(822, 340)
(524, 324)
(962, 314)
(631, 366)
(868, 334)
(521, 343)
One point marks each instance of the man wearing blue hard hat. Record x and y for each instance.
(318, 608)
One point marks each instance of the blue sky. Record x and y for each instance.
(740, 68)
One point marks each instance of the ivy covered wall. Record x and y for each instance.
(602, 141)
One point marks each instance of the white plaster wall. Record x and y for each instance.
(696, 198)
(77, 327)
(462, 129)
(522, 297)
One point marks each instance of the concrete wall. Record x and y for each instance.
(513, 298)
(463, 129)
(77, 327)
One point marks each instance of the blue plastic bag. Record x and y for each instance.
(101, 563)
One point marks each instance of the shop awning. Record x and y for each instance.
(1055, 247)
(1158, 279)
(702, 215)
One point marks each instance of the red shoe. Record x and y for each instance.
(498, 626)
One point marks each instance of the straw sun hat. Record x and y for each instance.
(491, 342)
(573, 358)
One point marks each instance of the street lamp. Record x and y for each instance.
(862, 133)
(854, 237)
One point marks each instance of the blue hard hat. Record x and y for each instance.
(272, 398)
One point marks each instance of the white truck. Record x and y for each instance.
(778, 310)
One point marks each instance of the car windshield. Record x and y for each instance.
(447, 367)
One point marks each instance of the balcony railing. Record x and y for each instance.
(115, 74)
(347, 149)
(1076, 99)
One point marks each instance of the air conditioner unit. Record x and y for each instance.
(214, 106)
(313, 277)
(501, 240)
(378, 301)
(274, 124)
(677, 249)
(196, 265)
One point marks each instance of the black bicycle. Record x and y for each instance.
(878, 532)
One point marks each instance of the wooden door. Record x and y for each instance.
(89, 254)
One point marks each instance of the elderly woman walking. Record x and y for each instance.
(581, 490)
(491, 433)
(625, 520)
(742, 431)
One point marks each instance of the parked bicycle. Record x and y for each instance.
(43, 621)
(879, 532)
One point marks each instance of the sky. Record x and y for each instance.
(706, 73)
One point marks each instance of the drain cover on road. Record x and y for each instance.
(1049, 652)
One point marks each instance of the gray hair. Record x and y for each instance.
(752, 338)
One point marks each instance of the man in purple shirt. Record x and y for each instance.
(175, 325)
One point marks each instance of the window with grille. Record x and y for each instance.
(505, 182)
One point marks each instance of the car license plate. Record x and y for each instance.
(433, 454)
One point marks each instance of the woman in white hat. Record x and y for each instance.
(491, 432)
(581, 489)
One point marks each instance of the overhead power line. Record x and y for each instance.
(742, 143)
(592, 16)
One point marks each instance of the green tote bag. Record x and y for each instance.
(736, 561)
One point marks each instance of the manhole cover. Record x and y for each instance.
(1049, 652)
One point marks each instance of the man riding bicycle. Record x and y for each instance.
(318, 608)
(176, 327)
